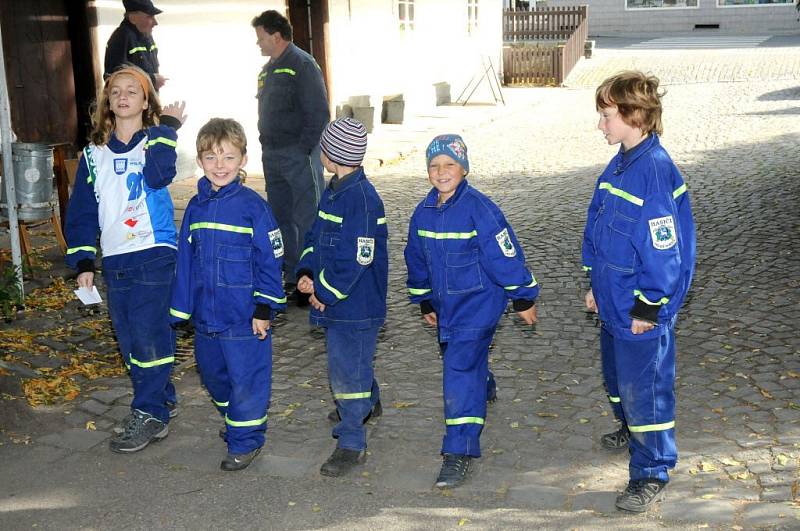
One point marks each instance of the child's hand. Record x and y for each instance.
(86, 280)
(305, 285)
(175, 110)
(260, 328)
(316, 304)
(640, 327)
(529, 315)
(160, 81)
(430, 318)
(591, 305)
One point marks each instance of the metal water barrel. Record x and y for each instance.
(33, 179)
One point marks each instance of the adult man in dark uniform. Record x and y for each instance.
(132, 42)
(292, 112)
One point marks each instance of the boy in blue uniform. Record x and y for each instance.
(228, 283)
(344, 269)
(464, 264)
(639, 250)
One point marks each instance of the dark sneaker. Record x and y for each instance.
(173, 409)
(141, 430)
(341, 461)
(640, 494)
(375, 412)
(491, 391)
(454, 470)
(223, 432)
(119, 428)
(234, 462)
(617, 440)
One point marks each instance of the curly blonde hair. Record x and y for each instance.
(636, 97)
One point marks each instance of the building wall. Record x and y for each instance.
(609, 17)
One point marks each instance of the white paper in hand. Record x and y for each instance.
(88, 296)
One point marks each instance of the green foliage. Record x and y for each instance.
(10, 292)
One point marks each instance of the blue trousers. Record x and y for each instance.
(138, 301)
(294, 187)
(236, 368)
(351, 376)
(640, 380)
(465, 379)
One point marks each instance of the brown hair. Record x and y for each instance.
(636, 97)
(103, 119)
(218, 130)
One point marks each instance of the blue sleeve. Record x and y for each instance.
(182, 303)
(268, 261)
(587, 249)
(306, 261)
(160, 156)
(313, 99)
(82, 225)
(501, 255)
(418, 281)
(116, 51)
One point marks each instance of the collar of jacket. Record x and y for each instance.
(275, 62)
(339, 186)
(432, 200)
(206, 193)
(128, 24)
(117, 146)
(646, 145)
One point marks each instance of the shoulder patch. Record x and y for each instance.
(276, 240)
(662, 232)
(505, 243)
(366, 251)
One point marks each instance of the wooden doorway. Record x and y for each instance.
(309, 20)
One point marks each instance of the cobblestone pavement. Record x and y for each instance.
(738, 387)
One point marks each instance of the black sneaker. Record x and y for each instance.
(173, 409)
(142, 429)
(455, 468)
(234, 462)
(375, 412)
(617, 440)
(341, 461)
(640, 494)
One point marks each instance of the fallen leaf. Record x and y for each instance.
(584, 421)
(292, 504)
(729, 462)
(402, 405)
(705, 466)
(743, 475)
(765, 393)
(90, 425)
(548, 415)
(514, 425)
(463, 521)
(316, 508)
(782, 459)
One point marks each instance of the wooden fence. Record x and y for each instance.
(542, 46)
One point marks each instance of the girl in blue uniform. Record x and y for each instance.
(639, 250)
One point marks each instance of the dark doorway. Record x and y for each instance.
(309, 19)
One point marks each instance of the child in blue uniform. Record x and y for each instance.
(228, 282)
(121, 192)
(344, 268)
(464, 264)
(639, 250)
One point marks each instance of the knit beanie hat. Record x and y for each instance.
(451, 145)
(344, 142)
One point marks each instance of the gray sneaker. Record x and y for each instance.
(142, 429)
(120, 427)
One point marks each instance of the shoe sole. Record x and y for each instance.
(155, 438)
(638, 510)
(335, 474)
(240, 467)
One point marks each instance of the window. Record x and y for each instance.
(731, 3)
(657, 4)
(405, 14)
(472, 16)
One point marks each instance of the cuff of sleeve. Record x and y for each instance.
(305, 273)
(645, 312)
(85, 265)
(170, 121)
(263, 312)
(520, 305)
(426, 307)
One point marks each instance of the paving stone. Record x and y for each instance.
(94, 407)
(108, 396)
(770, 514)
(697, 510)
(538, 496)
(75, 439)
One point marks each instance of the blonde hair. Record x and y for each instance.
(636, 97)
(103, 119)
(219, 130)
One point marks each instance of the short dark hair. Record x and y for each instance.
(272, 22)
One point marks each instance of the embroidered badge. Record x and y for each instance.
(276, 240)
(662, 232)
(366, 251)
(505, 243)
(120, 166)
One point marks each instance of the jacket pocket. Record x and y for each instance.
(463, 272)
(234, 266)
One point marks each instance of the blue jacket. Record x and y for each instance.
(639, 241)
(465, 261)
(345, 254)
(230, 254)
(128, 45)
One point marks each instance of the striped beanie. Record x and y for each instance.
(344, 142)
(451, 145)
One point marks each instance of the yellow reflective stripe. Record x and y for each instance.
(219, 404)
(161, 140)
(351, 396)
(245, 423)
(221, 226)
(153, 47)
(137, 49)
(306, 251)
(640, 295)
(175, 313)
(418, 291)
(381, 221)
(329, 217)
(447, 235)
(284, 71)
(587, 268)
(273, 299)
(89, 248)
(614, 399)
(652, 427)
(262, 75)
(532, 284)
(464, 420)
(621, 193)
(339, 294)
(678, 191)
(154, 363)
